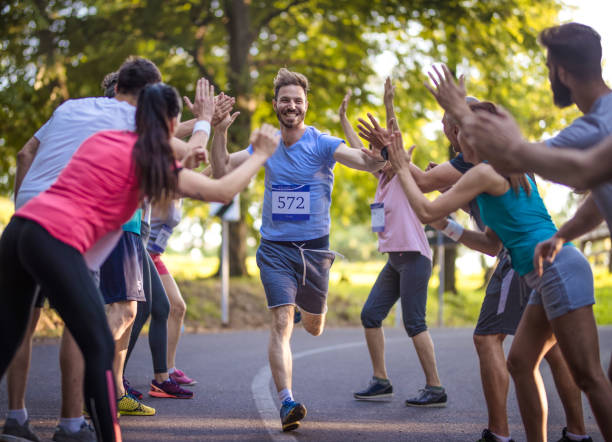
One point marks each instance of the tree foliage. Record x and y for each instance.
(54, 50)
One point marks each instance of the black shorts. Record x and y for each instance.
(121, 273)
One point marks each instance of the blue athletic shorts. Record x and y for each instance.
(566, 283)
(121, 274)
(282, 273)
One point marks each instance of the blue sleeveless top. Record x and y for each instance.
(520, 221)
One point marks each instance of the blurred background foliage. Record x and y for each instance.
(60, 49)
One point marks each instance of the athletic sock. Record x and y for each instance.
(501, 438)
(71, 424)
(285, 395)
(171, 370)
(381, 380)
(573, 436)
(431, 387)
(20, 415)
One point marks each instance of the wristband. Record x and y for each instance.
(453, 230)
(201, 125)
(384, 152)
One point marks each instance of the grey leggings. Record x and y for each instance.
(158, 307)
(406, 276)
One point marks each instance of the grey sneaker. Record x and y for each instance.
(14, 432)
(85, 434)
(378, 390)
(428, 397)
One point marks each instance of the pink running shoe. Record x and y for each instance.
(181, 378)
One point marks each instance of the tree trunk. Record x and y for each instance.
(240, 86)
(450, 256)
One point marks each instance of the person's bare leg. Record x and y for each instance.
(375, 338)
(533, 339)
(17, 372)
(279, 348)
(313, 324)
(72, 367)
(425, 351)
(569, 393)
(120, 317)
(576, 333)
(176, 316)
(495, 380)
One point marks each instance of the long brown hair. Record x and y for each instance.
(153, 156)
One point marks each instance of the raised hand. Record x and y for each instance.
(374, 134)
(265, 139)
(450, 95)
(226, 122)
(203, 106)
(546, 251)
(223, 106)
(398, 157)
(344, 105)
(496, 138)
(389, 93)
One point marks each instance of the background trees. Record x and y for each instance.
(60, 49)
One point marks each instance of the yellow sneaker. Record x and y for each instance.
(129, 406)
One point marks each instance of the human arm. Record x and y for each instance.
(349, 132)
(586, 218)
(196, 185)
(478, 179)
(223, 104)
(485, 242)
(25, 157)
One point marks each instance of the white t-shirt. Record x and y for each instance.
(71, 124)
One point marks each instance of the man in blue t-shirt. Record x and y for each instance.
(294, 257)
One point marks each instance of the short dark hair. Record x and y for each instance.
(109, 83)
(285, 77)
(575, 47)
(135, 73)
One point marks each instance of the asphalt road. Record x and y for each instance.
(235, 398)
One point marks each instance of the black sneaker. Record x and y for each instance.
(13, 431)
(378, 390)
(487, 436)
(564, 437)
(428, 397)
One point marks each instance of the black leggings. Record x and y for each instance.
(158, 307)
(29, 255)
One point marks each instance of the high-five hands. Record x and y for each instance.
(265, 140)
(203, 106)
(398, 157)
(450, 95)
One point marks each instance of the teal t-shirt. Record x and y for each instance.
(133, 225)
(520, 221)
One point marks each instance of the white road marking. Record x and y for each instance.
(266, 406)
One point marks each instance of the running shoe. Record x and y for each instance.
(291, 413)
(85, 434)
(487, 436)
(169, 389)
(131, 391)
(297, 315)
(181, 378)
(565, 438)
(378, 390)
(130, 406)
(428, 397)
(13, 431)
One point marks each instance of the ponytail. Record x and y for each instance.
(153, 156)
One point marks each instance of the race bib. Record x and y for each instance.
(162, 239)
(291, 202)
(378, 217)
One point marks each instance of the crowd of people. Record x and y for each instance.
(98, 193)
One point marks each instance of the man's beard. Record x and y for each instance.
(298, 120)
(562, 96)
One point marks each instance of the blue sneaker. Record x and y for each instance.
(291, 413)
(378, 390)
